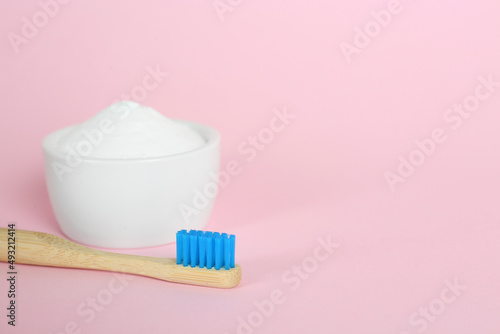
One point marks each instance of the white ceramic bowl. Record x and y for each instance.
(129, 203)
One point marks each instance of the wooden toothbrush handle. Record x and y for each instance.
(44, 249)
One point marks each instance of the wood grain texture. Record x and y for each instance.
(44, 249)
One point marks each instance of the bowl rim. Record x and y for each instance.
(210, 134)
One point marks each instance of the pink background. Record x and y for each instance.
(323, 175)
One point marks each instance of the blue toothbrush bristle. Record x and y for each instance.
(227, 255)
(205, 249)
(178, 239)
(210, 250)
(193, 244)
(218, 252)
(202, 246)
(185, 250)
(232, 244)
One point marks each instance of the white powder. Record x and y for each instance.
(127, 130)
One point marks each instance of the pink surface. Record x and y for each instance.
(398, 249)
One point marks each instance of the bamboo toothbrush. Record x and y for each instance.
(197, 251)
